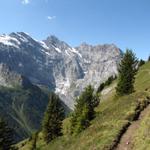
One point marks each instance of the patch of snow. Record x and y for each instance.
(22, 38)
(45, 52)
(8, 40)
(58, 50)
(67, 52)
(43, 44)
(75, 51)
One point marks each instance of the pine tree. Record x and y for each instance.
(82, 121)
(149, 58)
(127, 71)
(84, 110)
(52, 122)
(6, 136)
(141, 63)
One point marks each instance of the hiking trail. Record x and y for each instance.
(126, 140)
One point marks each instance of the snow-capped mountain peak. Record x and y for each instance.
(56, 64)
(9, 41)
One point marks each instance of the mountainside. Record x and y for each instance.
(22, 104)
(120, 122)
(55, 64)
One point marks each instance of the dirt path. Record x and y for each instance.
(127, 138)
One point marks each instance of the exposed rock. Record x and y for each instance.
(55, 64)
(10, 78)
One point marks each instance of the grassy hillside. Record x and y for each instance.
(21, 107)
(112, 118)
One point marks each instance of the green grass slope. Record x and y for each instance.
(23, 109)
(112, 118)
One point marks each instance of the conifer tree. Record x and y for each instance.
(127, 71)
(149, 58)
(52, 122)
(84, 110)
(141, 63)
(6, 136)
(82, 121)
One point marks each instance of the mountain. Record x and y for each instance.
(58, 66)
(120, 122)
(28, 66)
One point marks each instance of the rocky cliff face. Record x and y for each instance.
(11, 79)
(53, 63)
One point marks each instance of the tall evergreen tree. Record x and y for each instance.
(6, 136)
(84, 110)
(127, 71)
(52, 122)
(149, 58)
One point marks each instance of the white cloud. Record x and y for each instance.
(25, 2)
(51, 17)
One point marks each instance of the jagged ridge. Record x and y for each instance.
(53, 63)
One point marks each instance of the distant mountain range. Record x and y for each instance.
(55, 64)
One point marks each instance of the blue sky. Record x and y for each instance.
(125, 23)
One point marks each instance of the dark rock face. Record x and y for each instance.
(55, 64)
